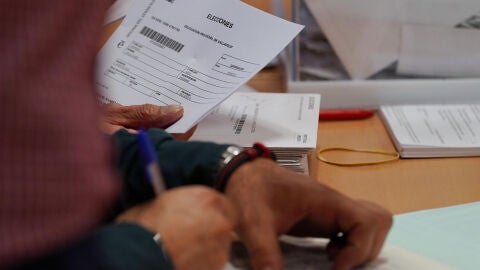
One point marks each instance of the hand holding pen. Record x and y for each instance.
(203, 228)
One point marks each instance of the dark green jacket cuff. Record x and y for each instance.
(122, 246)
(114, 247)
(182, 163)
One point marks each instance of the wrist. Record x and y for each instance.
(234, 157)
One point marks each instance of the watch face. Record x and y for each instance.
(235, 150)
(231, 152)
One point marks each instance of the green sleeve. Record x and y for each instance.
(123, 246)
(115, 247)
(182, 163)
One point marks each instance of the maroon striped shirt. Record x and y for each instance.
(56, 179)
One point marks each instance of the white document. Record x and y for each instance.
(439, 51)
(449, 235)
(192, 53)
(434, 130)
(310, 254)
(366, 34)
(278, 120)
(286, 123)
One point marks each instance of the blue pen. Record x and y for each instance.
(149, 159)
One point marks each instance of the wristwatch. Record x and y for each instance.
(231, 152)
(234, 157)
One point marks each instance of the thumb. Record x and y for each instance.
(263, 247)
(143, 116)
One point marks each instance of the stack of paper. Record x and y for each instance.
(434, 130)
(286, 123)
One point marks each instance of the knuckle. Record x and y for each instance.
(215, 201)
(206, 193)
(211, 198)
(386, 219)
(377, 215)
(382, 219)
(222, 228)
(207, 197)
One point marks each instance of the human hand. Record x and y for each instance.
(195, 224)
(139, 116)
(272, 200)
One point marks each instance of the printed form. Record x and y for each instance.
(279, 120)
(192, 53)
(434, 130)
(435, 125)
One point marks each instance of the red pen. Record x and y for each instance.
(344, 114)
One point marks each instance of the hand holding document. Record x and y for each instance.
(190, 53)
(367, 35)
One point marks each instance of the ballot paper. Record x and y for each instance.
(192, 53)
(448, 234)
(286, 123)
(366, 34)
(310, 254)
(434, 130)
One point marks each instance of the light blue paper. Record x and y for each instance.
(450, 235)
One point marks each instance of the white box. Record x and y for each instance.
(373, 93)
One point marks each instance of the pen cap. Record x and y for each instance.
(145, 147)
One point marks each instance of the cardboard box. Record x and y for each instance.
(373, 93)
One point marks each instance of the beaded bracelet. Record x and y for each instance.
(248, 154)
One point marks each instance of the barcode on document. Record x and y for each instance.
(162, 39)
(240, 123)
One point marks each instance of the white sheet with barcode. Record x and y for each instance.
(192, 53)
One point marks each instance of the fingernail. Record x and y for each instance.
(173, 109)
